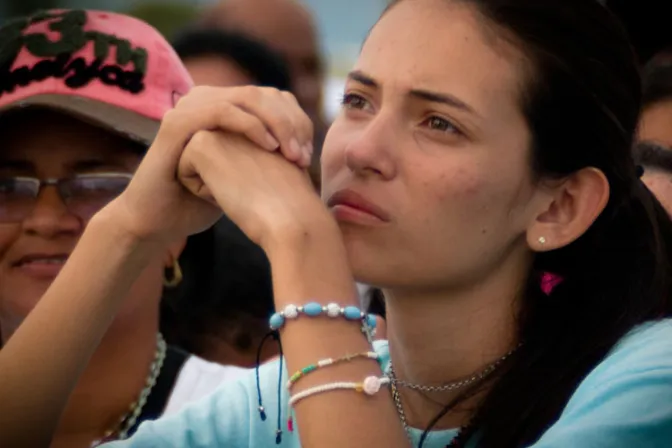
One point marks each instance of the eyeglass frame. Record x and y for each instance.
(57, 182)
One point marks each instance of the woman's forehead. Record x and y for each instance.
(441, 45)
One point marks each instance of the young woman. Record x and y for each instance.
(64, 157)
(484, 148)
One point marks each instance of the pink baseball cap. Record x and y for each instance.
(108, 69)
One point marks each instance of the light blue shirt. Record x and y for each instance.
(625, 402)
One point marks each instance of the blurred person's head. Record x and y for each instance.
(76, 119)
(654, 148)
(655, 123)
(287, 27)
(222, 58)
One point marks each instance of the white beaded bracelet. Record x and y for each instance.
(370, 386)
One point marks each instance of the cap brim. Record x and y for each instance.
(124, 122)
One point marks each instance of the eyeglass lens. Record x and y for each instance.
(83, 195)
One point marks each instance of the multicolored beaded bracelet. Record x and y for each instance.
(313, 309)
(328, 362)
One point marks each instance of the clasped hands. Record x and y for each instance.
(241, 151)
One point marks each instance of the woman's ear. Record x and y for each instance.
(576, 203)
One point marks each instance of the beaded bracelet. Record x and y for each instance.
(333, 310)
(314, 309)
(277, 320)
(328, 362)
(370, 386)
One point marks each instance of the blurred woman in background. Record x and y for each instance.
(70, 146)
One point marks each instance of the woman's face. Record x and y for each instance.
(33, 247)
(432, 134)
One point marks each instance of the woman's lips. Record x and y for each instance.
(348, 205)
(41, 265)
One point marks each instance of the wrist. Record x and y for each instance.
(297, 234)
(108, 224)
(309, 263)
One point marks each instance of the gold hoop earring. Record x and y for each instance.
(175, 278)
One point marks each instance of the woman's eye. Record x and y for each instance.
(353, 101)
(441, 124)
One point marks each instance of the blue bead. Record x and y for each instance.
(352, 313)
(371, 321)
(276, 321)
(312, 309)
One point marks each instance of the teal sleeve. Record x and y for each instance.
(626, 401)
(229, 417)
(220, 419)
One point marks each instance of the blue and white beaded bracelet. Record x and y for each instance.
(332, 310)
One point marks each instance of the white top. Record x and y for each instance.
(197, 379)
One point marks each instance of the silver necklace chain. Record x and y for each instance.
(395, 383)
(455, 384)
(398, 405)
(131, 417)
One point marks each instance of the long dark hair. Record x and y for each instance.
(581, 100)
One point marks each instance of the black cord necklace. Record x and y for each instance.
(465, 431)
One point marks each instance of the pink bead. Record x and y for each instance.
(371, 385)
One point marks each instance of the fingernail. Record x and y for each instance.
(295, 148)
(272, 142)
(306, 159)
(308, 154)
(308, 149)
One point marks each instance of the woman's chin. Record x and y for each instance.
(377, 277)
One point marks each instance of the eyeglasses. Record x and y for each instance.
(83, 195)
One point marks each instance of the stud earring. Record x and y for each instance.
(542, 240)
